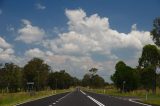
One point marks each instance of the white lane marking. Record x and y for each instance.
(50, 105)
(35, 99)
(64, 96)
(61, 98)
(139, 102)
(97, 102)
(83, 92)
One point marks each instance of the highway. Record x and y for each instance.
(81, 98)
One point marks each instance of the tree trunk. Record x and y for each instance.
(154, 84)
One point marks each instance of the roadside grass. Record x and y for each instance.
(136, 94)
(11, 99)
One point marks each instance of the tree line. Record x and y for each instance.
(146, 75)
(37, 75)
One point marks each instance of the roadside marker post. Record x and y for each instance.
(146, 95)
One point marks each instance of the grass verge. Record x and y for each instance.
(137, 94)
(11, 99)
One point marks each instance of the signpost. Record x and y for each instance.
(30, 88)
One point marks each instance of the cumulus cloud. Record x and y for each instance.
(36, 52)
(90, 37)
(93, 34)
(6, 51)
(4, 44)
(40, 6)
(88, 42)
(29, 33)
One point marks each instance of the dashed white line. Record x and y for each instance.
(97, 102)
(139, 102)
(64, 96)
(60, 99)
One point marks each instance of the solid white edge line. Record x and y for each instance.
(37, 99)
(34, 99)
(139, 102)
(83, 92)
(97, 102)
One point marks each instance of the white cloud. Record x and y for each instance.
(30, 33)
(6, 51)
(40, 6)
(36, 52)
(134, 27)
(90, 37)
(93, 34)
(4, 44)
(89, 42)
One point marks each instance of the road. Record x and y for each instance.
(81, 98)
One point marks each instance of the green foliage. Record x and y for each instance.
(10, 79)
(86, 80)
(97, 81)
(14, 78)
(150, 56)
(156, 31)
(92, 79)
(148, 77)
(158, 80)
(93, 71)
(36, 71)
(125, 78)
(60, 80)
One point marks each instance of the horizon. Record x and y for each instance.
(78, 36)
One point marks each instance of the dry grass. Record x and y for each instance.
(10, 99)
(140, 94)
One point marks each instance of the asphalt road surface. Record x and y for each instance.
(81, 98)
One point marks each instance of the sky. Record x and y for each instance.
(76, 35)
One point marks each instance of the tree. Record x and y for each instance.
(76, 81)
(92, 79)
(150, 58)
(97, 81)
(93, 71)
(60, 80)
(36, 71)
(158, 80)
(156, 31)
(125, 78)
(86, 80)
(147, 77)
(10, 77)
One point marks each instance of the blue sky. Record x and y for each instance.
(54, 21)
